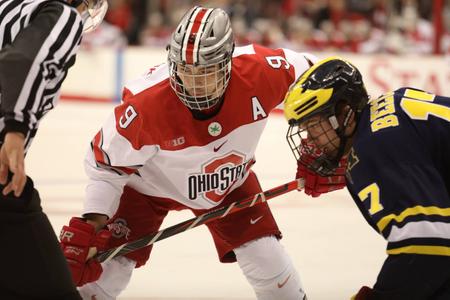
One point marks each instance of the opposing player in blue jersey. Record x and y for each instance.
(396, 152)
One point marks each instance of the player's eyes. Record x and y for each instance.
(313, 125)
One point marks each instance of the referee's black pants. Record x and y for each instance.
(32, 264)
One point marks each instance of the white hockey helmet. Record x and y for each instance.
(199, 57)
(94, 14)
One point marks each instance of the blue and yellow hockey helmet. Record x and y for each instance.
(321, 91)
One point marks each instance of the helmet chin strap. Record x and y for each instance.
(206, 114)
(326, 166)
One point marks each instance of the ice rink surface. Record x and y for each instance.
(333, 248)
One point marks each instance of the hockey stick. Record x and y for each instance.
(200, 220)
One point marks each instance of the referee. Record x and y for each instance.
(38, 43)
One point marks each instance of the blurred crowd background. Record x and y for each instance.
(358, 26)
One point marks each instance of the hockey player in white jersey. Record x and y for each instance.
(185, 138)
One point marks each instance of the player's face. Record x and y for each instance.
(324, 137)
(321, 133)
(201, 81)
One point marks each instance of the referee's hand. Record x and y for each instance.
(12, 158)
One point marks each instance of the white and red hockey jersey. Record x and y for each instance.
(153, 144)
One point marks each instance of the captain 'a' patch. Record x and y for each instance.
(257, 109)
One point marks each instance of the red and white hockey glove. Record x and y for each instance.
(76, 240)
(315, 185)
(365, 293)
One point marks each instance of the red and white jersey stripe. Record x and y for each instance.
(153, 144)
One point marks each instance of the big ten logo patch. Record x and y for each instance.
(173, 143)
(217, 176)
(119, 229)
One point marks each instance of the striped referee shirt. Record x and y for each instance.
(38, 43)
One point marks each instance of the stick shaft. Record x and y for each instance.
(200, 220)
